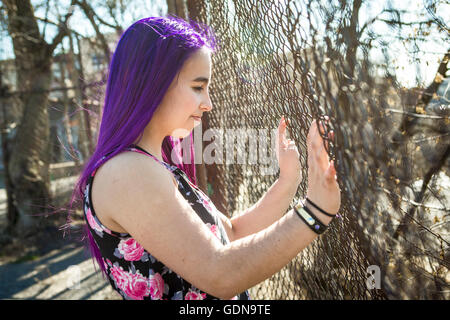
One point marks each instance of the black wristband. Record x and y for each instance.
(309, 218)
(321, 210)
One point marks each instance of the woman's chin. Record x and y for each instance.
(180, 133)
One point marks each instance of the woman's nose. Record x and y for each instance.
(207, 106)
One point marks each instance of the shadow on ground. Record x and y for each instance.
(64, 273)
(47, 266)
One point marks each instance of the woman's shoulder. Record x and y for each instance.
(120, 178)
(123, 169)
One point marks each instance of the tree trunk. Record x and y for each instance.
(11, 214)
(85, 132)
(76, 79)
(66, 110)
(30, 156)
(29, 163)
(178, 8)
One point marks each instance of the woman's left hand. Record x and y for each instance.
(287, 156)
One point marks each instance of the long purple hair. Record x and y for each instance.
(148, 56)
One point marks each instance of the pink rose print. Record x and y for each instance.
(106, 263)
(194, 295)
(94, 225)
(206, 204)
(131, 249)
(214, 229)
(204, 201)
(120, 277)
(137, 286)
(156, 286)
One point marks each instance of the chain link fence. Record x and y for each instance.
(306, 59)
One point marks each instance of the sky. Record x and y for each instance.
(431, 53)
(405, 69)
(78, 19)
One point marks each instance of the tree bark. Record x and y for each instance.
(85, 121)
(66, 111)
(178, 8)
(11, 214)
(76, 76)
(30, 156)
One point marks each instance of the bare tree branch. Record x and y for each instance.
(90, 14)
(63, 29)
(47, 7)
(111, 6)
(417, 115)
(48, 21)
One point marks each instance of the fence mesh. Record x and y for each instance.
(306, 59)
(309, 58)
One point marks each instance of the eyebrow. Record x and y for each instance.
(201, 79)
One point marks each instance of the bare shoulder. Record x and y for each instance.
(120, 180)
(125, 164)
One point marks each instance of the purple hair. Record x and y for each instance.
(148, 56)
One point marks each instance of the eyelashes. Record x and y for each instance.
(198, 89)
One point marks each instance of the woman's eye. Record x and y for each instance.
(198, 88)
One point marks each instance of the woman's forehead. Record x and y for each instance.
(198, 65)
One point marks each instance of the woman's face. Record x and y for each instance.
(187, 96)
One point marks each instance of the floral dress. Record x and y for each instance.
(132, 271)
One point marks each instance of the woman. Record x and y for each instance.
(154, 234)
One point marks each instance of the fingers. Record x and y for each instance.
(330, 134)
(330, 137)
(282, 133)
(330, 174)
(291, 144)
(317, 146)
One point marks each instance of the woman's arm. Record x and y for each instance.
(247, 261)
(143, 200)
(270, 208)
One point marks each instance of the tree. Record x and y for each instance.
(178, 8)
(29, 162)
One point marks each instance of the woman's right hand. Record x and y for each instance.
(323, 188)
